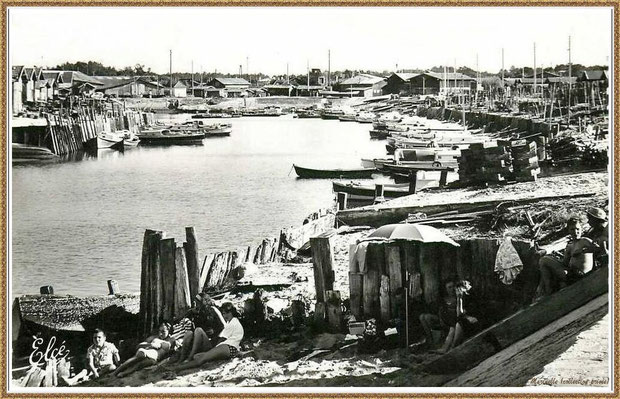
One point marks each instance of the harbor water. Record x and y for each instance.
(79, 222)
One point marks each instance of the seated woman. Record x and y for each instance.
(451, 318)
(201, 328)
(227, 345)
(102, 356)
(154, 349)
(577, 261)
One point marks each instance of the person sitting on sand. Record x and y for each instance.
(228, 343)
(204, 324)
(102, 356)
(155, 348)
(451, 316)
(599, 234)
(577, 260)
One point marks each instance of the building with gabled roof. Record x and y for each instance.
(362, 85)
(399, 83)
(233, 87)
(435, 83)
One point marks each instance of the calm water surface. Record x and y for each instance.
(79, 223)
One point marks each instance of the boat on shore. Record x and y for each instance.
(347, 118)
(170, 137)
(309, 173)
(307, 113)
(366, 192)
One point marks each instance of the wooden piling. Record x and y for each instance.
(182, 294)
(395, 274)
(191, 255)
(379, 194)
(384, 298)
(113, 288)
(413, 182)
(342, 201)
(322, 263)
(356, 293)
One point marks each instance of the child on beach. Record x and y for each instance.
(151, 351)
(102, 356)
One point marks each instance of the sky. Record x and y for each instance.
(266, 39)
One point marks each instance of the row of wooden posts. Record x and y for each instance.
(68, 134)
(172, 275)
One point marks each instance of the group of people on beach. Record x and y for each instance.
(205, 334)
(209, 333)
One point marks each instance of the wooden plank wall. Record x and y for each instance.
(376, 290)
(164, 281)
(68, 133)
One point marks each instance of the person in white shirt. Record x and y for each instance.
(228, 342)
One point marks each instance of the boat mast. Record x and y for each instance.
(171, 73)
(535, 71)
(308, 72)
(570, 83)
(192, 78)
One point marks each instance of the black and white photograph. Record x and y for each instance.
(309, 199)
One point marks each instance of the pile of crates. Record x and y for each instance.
(499, 162)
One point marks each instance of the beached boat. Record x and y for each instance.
(170, 137)
(333, 173)
(366, 192)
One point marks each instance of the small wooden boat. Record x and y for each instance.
(169, 137)
(110, 140)
(307, 114)
(331, 113)
(409, 167)
(347, 118)
(308, 173)
(218, 130)
(366, 192)
(379, 134)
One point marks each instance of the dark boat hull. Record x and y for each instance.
(361, 193)
(194, 139)
(306, 173)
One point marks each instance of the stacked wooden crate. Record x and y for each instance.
(524, 160)
(488, 162)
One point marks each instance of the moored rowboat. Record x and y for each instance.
(309, 173)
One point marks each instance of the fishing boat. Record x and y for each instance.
(307, 113)
(309, 173)
(366, 117)
(379, 134)
(170, 137)
(217, 130)
(347, 118)
(111, 140)
(331, 113)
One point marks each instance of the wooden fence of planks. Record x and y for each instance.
(68, 133)
(377, 285)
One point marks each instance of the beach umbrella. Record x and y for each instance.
(412, 232)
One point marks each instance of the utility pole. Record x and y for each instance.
(247, 69)
(477, 79)
(171, 73)
(192, 78)
(570, 83)
(287, 79)
(308, 71)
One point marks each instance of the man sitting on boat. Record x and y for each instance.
(556, 270)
